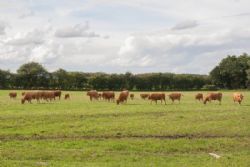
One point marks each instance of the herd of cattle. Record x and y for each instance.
(123, 96)
(39, 95)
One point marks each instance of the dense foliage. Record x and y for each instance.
(232, 72)
(34, 76)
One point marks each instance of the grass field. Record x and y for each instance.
(83, 133)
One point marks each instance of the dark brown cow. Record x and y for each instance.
(66, 96)
(58, 94)
(144, 96)
(157, 96)
(122, 97)
(132, 96)
(213, 96)
(175, 96)
(93, 94)
(238, 97)
(108, 95)
(13, 95)
(199, 96)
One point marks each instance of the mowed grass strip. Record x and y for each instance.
(77, 132)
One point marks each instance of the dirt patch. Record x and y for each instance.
(117, 136)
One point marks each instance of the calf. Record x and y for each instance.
(144, 96)
(13, 95)
(132, 96)
(199, 97)
(157, 96)
(66, 96)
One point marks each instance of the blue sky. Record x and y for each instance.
(119, 36)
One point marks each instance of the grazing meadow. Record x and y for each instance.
(78, 132)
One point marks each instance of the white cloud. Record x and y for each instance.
(26, 13)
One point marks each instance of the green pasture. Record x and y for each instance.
(78, 132)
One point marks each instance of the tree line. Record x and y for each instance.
(232, 72)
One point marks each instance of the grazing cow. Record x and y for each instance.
(238, 97)
(66, 96)
(93, 94)
(132, 96)
(213, 96)
(175, 96)
(13, 95)
(122, 97)
(199, 96)
(28, 97)
(157, 96)
(58, 94)
(108, 95)
(144, 96)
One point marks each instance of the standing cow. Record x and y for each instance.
(238, 97)
(199, 96)
(175, 96)
(144, 96)
(213, 96)
(93, 94)
(132, 96)
(157, 96)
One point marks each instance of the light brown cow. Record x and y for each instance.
(175, 96)
(144, 96)
(199, 96)
(13, 95)
(213, 96)
(238, 97)
(108, 95)
(157, 96)
(93, 94)
(27, 97)
(122, 97)
(132, 96)
(66, 96)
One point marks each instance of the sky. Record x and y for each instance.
(116, 36)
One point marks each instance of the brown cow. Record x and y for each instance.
(213, 96)
(238, 97)
(58, 94)
(122, 97)
(157, 96)
(144, 96)
(13, 95)
(93, 94)
(66, 96)
(23, 93)
(27, 97)
(49, 95)
(108, 95)
(199, 96)
(132, 96)
(175, 96)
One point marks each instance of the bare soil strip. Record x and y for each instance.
(118, 136)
